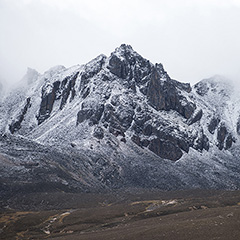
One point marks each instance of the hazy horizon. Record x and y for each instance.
(192, 39)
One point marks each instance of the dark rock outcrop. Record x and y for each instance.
(196, 117)
(221, 135)
(94, 114)
(165, 149)
(183, 86)
(129, 66)
(183, 143)
(229, 141)
(84, 114)
(201, 142)
(16, 124)
(124, 116)
(70, 82)
(118, 66)
(163, 94)
(91, 69)
(48, 97)
(201, 88)
(136, 139)
(148, 129)
(238, 126)
(213, 124)
(98, 132)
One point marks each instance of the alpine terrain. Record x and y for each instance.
(118, 122)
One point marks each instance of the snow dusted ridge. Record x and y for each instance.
(122, 121)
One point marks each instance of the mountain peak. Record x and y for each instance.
(216, 84)
(125, 52)
(30, 76)
(125, 47)
(124, 120)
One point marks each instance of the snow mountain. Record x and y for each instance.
(115, 122)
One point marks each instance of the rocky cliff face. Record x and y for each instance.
(124, 107)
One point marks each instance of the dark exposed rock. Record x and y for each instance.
(229, 142)
(201, 142)
(69, 89)
(183, 86)
(136, 139)
(221, 135)
(119, 117)
(140, 118)
(115, 100)
(168, 135)
(98, 132)
(125, 116)
(132, 85)
(201, 88)
(186, 110)
(130, 66)
(48, 97)
(213, 124)
(105, 78)
(142, 71)
(108, 113)
(59, 86)
(196, 117)
(115, 126)
(110, 117)
(165, 149)
(137, 129)
(85, 92)
(144, 89)
(205, 142)
(118, 66)
(97, 114)
(156, 91)
(118, 131)
(147, 130)
(84, 114)
(165, 133)
(107, 95)
(138, 109)
(16, 124)
(183, 144)
(145, 142)
(93, 114)
(163, 94)
(89, 71)
(238, 126)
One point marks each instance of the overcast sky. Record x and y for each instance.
(194, 39)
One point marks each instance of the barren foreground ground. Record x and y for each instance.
(133, 214)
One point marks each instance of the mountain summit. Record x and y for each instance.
(120, 121)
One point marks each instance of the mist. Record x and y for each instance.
(193, 39)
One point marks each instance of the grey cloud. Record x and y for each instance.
(193, 39)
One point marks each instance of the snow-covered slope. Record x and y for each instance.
(129, 123)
